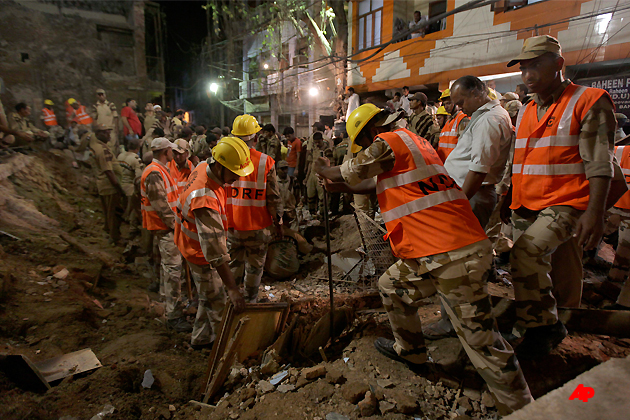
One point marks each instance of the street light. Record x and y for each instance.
(214, 87)
(313, 91)
(266, 66)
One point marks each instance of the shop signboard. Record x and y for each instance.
(617, 86)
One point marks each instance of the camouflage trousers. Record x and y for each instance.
(367, 203)
(621, 265)
(212, 299)
(248, 252)
(314, 195)
(541, 238)
(111, 204)
(498, 232)
(461, 286)
(170, 274)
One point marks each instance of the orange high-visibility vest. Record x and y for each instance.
(180, 177)
(200, 191)
(449, 136)
(424, 210)
(548, 169)
(150, 218)
(50, 118)
(247, 197)
(81, 116)
(622, 153)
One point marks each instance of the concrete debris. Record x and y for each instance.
(385, 383)
(386, 407)
(264, 387)
(278, 377)
(405, 404)
(314, 372)
(335, 376)
(148, 379)
(368, 405)
(336, 416)
(171, 408)
(61, 274)
(354, 391)
(286, 388)
(473, 394)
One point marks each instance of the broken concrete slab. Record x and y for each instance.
(314, 372)
(609, 382)
(354, 391)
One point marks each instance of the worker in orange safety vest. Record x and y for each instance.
(254, 206)
(455, 125)
(159, 199)
(48, 114)
(180, 167)
(440, 243)
(80, 114)
(201, 234)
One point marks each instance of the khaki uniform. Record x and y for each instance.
(270, 146)
(537, 235)
(132, 168)
(105, 113)
(199, 146)
(18, 123)
(110, 198)
(149, 121)
(285, 187)
(170, 257)
(314, 191)
(460, 279)
(424, 125)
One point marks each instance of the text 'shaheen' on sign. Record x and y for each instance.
(617, 87)
(582, 393)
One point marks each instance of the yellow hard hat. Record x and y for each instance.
(357, 120)
(245, 125)
(493, 94)
(445, 94)
(71, 101)
(48, 102)
(233, 153)
(442, 111)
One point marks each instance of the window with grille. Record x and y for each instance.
(369, 23)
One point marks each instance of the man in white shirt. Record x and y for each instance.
(479, 160)
(353, 101)
(404, 100)
(417, 20)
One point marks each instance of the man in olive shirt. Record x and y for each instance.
(104, 112)
(109, 189)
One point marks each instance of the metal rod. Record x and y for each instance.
(330, 277)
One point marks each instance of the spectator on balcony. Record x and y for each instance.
(418, 21)
(352, 100)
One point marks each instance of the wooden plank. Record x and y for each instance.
(223, 368)
(68, 364)
(220, 342)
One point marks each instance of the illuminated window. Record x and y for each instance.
(370, 22)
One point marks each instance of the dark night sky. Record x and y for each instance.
(185, 31)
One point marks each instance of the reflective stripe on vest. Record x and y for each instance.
(449, 136)
(247, 197)
(547, 169)
(622, 153)
(49, 117)
(200, 192)
(82, 117)
(424, 210)
(150, 219)
(180, 177)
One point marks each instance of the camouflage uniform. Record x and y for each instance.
(424, 125)
(170, 257)
(132, 168)
(460, 279)
(285, 187)
(539, 234)
(110, 197)
(314, 191)
(248, 251)
(248, 248)
(18, 123)
(270, 146)
(199, 146)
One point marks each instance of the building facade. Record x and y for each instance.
(594, 35)
(67, 49)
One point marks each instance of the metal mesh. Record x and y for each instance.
(378, 253)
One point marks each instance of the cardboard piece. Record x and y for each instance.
(68, 364)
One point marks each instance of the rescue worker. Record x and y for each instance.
(253, 205)
(180, 167)
(269, 143)
(48, 114)
(79, 113)
(20, 121)
(104, 112)
(621, 121)
(159, 201)
(108, 171)
(201, 231)
(285, 188)
(441, 116)
(314, 190)
(454, 127)
(7, 134)
(560, 182)
(132, 168)
(339, 154)
(420, 122)
(441, 246)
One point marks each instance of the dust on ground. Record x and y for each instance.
(106, 307)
